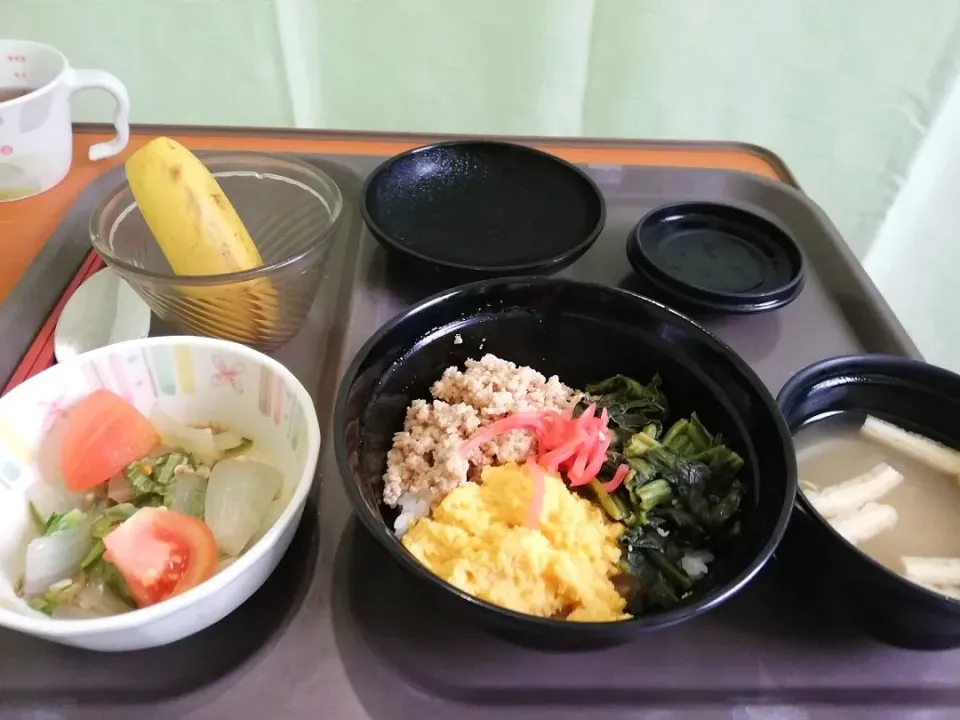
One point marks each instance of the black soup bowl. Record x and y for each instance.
(582, 333)
(918, 397)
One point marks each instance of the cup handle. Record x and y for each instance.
(102, 80)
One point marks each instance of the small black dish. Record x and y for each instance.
(473, 209)
(716, 257)
(918, 397)
(580, 332)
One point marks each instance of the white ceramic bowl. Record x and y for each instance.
(193, 380)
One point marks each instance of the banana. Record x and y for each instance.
(200, 233)
(188, 213)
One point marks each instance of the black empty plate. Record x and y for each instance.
(717, 257)
(489, 208)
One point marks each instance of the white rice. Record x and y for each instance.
(694, 563)
(413, 506)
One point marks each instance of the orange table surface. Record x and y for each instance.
(26, 224)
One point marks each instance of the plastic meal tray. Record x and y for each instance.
(339, 631)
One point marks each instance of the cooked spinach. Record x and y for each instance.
(681, 493)
(629, 405)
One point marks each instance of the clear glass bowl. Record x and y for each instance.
(291, 210)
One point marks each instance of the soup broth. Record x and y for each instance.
(927, 501)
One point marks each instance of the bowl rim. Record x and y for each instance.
(548, 263)
(824, 370)
(122, 189)
(388, 540)
(71, 628)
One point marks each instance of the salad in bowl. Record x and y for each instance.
(148, 489)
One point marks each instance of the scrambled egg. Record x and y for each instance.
(476, 540)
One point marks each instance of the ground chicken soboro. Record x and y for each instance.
(425, 461)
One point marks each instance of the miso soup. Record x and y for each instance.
(926, 521)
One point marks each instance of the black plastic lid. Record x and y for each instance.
(718, 257)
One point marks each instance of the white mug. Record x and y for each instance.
(36, 136)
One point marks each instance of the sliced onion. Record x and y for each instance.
(48, 499)
(74, 612)
(56, 557)
(188, 494)
(223, 565)
(238, 498)
(119, 489)
(95, 597)
(270, 518)
(227, 440)
(196, 441)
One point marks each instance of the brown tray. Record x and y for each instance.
(339, 631)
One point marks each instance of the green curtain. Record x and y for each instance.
(843, 90)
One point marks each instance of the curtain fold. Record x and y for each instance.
(496, 67)
(187, 62)
(842, 91)
(915, 257)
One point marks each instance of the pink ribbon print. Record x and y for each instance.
(52, 410)
(226, 373)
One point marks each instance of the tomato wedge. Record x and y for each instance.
(161, 553)
(104, 434)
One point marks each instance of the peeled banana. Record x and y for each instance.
(200, 233)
